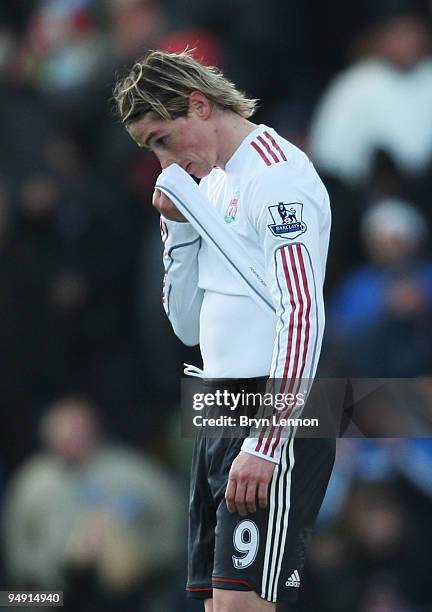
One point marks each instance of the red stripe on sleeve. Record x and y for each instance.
(275, 144)
(297, 361)
(269, 150)
(308, 308)
(261, 152)
(297, 348)
(164, 234)
(163, 231)
(290, 337)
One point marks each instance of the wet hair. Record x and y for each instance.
(161, 83)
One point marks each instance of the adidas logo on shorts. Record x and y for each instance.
(293, 580)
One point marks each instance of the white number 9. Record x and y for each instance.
(245, 540)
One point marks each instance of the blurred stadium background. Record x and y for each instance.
(93, 471)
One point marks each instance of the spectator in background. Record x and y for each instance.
(382, 103)
(65, 47)
(68, 274)
(380, 315)
(94, 518)
(374, 558)
(134, 26)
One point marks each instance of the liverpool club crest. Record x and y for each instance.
(231, 211)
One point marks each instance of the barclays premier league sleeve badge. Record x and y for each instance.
(287, 220)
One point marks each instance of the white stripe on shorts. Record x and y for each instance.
(278, 519)
(286, 513)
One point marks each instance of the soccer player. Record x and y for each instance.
(254, 500)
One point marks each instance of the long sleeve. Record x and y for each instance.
(182, 297)
(290, 212)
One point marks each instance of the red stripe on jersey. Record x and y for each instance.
(275, 144)
(308, 308)
(298, 340)
(261, 152)
(291, 323)
(164, 235)
(300, 305)
(245, 582)
(269, 150)
(290, 336)
(164, 288)
(164, 231)
(297, 346)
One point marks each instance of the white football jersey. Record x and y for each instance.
(271, 197)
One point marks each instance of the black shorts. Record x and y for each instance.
(264, 551)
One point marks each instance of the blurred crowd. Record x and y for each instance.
(93, 473)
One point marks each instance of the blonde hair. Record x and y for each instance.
(161, 82)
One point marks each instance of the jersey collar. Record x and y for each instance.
(237, 159)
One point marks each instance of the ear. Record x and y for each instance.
(199, 105)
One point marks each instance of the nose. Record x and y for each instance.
(165, 160)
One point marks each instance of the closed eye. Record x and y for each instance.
(161, 142)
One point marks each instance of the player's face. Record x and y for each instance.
(188, 141)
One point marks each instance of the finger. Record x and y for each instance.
(162, 202)
(240, 498)
(251, 494)
(166, 206)
(156, 198)
(262, 494)
(230, 495)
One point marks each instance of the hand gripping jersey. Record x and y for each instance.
(271, 197)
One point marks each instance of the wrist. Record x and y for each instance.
(255, 453)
